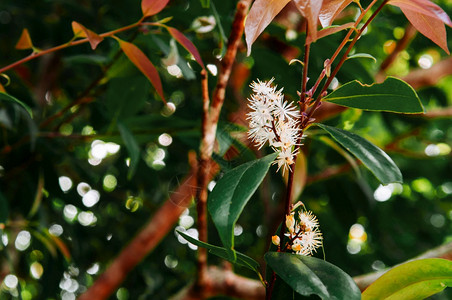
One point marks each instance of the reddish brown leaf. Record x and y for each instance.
(186, 43)
(140, 60)
(152, 7)
(310, 9)
(432, 28)
(24, 41)
(2, 89)
(260, 15)
(424, 7)
(428, 18)
(330, 9)
(83, 32)
(330, 30)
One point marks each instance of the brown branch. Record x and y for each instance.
(328, 173)
(202, 182)
(445, 112)
(66, 45)
(224, 282)
(410, 33)
(427, 77)
(210, 116)
(147, 239)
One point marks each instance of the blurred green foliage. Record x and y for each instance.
(69, 205)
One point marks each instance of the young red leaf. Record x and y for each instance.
(186, 43)
(24, 41)
(310, 9)
(260, 15)
(152, 7)
(330, 9)
(140, 60)
(424, 7)
(428, 18)
(83, 32)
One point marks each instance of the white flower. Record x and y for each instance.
(275, 121)
(263, 87)
(310, 241)
(285, 110)
(303, 233)
(285, 159)
(308, 220)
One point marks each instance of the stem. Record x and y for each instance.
(67, 45)
(342, 44)
(202, 182)
(343, 59)
(307, 48)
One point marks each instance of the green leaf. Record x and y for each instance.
(393, 95)
(417, 279)
(9, 98)
(230, 195)
(132, 148)
(205, 3)
(309, 275)
(375, 159)
(126, 96)
(362, 55)
(242, 259)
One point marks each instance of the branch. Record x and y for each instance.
(210, 116)
(147, 239)
(410, 33)
(66, 45)
(427, 77)
(202, 181)
(221, 282)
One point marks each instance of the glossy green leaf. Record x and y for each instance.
(393, 95)
(132, 147)
(205, 3)
(417, 279)
(242, 259)
(312, 276)
(230, 195)
(362, 55)
(9, 98)
(375, 159)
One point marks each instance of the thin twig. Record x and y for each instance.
(410, 33)
(202, 182)
(67, 45)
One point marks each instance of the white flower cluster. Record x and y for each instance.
(303, 232)
(273, 120)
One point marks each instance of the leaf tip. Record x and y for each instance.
(24, 42)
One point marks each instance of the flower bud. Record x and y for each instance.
(290, 222)
(296, 247)
(275, 240)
